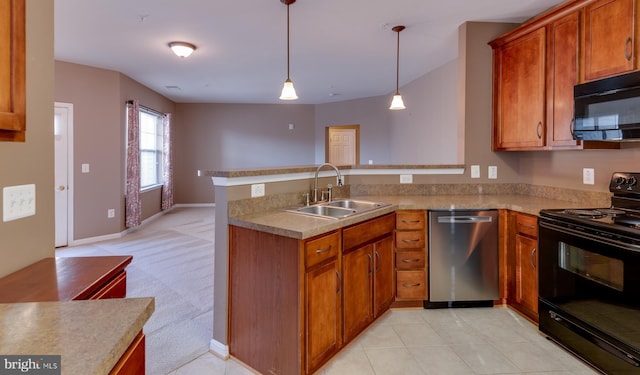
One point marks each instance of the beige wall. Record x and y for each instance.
(98, 97)
(25, 241)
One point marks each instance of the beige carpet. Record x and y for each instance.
(173, 262)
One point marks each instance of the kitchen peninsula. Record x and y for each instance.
(273, 253)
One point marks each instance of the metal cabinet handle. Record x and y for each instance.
(410, 260)
(339, 282)
(378, 261)
(539, 130)
(409, 241)
(410, 285)
(628, 49)
(533, 251)
(320, 251)
(370, 263)
(527, 226)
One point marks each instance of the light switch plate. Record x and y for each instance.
(257, 190)
(492, 172)
(475, 171)
(18, 202)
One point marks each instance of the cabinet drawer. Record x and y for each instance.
(411, 285)
(410, 220)
(360, 234)
(410, 260)
(116, 288)
(323, 248)
(412, 239)
(527, 225)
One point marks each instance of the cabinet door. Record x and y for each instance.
(384, 280)
(519, 121)
(609, 38)
(527, 273)
(562, 60)
(357, 289)
(323, 315)
(12, 71)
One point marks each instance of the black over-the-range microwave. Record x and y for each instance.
(608, 109)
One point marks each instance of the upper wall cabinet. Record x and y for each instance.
(535, 68)
(519, 68)
(12, 71)
(609, 38)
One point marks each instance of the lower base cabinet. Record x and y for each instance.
(293, 304)
(132, 361)
(522, 264)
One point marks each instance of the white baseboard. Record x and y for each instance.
(219, 349)
(194, 205)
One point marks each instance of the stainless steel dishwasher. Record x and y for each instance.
(463, 258)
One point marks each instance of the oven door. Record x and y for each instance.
(589, 297)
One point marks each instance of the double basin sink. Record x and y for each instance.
(338, 209)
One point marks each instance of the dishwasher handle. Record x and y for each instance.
(464, 219)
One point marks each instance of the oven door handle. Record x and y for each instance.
(606, 241)
(609, 347)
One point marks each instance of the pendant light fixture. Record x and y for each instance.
(288, 92)
(397, 102)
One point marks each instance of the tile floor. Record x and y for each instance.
(441, 341)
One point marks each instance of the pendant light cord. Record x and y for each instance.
(398, 62)
(288, 78)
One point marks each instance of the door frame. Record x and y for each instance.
(327, 137)
(70, 178)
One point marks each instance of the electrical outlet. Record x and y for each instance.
(492, 172)
(406, 178)
(85, 168)
(18, 202)
(257, 190)
(588, 176)
(475, 171)
(111, 213)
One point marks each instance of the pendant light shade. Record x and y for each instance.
(288, 91)
(397, 102)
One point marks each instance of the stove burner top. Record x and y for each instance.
(628, 220)
(591, 214)
(611, 211)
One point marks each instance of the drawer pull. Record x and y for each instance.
(527, 226)
(410, 260)
(411, 221)
(320, 251)
(409, 241)
(410, 285)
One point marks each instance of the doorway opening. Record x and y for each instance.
(342, 144)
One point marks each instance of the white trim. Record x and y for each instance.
(70, 168)
(219, 349)
(194, 205)
(261, 179)
(85, 241)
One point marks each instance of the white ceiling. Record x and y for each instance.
(340, 50)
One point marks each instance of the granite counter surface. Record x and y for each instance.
(90, 336)
(301, 226)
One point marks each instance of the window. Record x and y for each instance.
(151, 146)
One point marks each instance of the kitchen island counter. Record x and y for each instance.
(300, 226)
(90, 336)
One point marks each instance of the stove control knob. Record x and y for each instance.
(620, 181)
(632, 181)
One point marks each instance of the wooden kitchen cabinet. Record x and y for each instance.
(368, 273)
(411, 256)
(132, 361)
(522, 263)
(12, 71)
(323, 300)
(609, 41)
(519, 92)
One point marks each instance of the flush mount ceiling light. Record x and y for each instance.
(397, 102)
(182, 49)
(288, 92)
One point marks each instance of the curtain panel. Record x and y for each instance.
(167, 171)
(133, 204)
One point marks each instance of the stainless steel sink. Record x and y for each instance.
(337, 209)
(356, 204)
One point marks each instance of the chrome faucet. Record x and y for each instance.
(315, 183)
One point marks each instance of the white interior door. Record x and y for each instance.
(63, 131)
